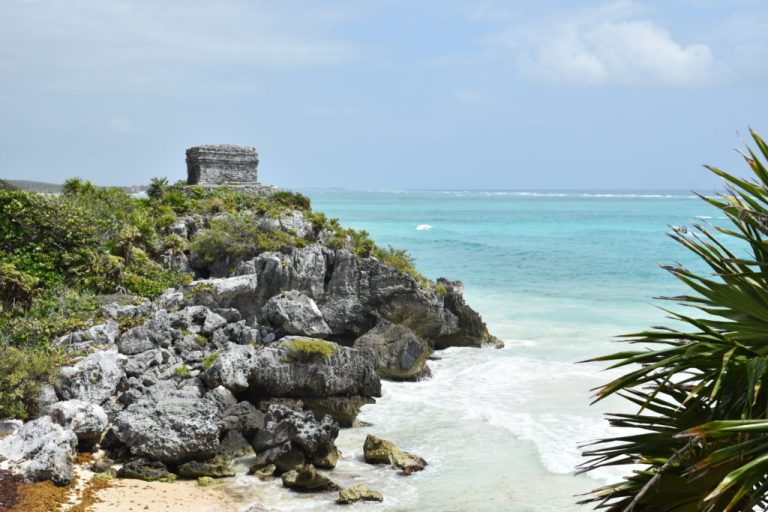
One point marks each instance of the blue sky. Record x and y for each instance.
(384, 94)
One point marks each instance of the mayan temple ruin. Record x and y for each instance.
(222, 164)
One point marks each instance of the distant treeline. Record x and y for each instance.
(48, 188)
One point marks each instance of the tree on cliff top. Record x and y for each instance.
(701, 431)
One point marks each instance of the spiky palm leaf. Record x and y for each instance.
(701, 431)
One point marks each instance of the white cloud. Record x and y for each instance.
(601, 47)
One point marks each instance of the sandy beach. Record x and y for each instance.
(124, 495)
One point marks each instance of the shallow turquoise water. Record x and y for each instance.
(556, 275)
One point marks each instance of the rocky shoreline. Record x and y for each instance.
(260, 360)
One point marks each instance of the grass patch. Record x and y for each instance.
(182, 372)
(305, 349)
(210, 359)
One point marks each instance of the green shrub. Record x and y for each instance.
(23, 372)
(239, 238)
(210, 359)
(440, 290)
(308, 350)
(16, 288)
(53, 313)
(400, 260)
(182, 372)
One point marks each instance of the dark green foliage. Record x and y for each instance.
(52, 313)
(238, 237)
(93, 239)
(17, 288)
(23, 372)
(701, 430)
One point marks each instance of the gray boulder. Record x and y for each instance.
(286, 371)
(101, 334)
(41, 450)
(9, 427)
(93, 379)
(170, 425)
(117, 310)
(295, 313)
(156, 332)
(229, 292)
(307, 479)
(88, 421)
(45, 399)
(232, 368)
(291, 439)
(396, 352)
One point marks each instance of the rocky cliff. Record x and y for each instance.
(265, 354)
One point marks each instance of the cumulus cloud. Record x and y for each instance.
(599, 47)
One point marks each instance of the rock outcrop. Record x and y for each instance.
(88, 421)
(41, 450)
(307, 479)
(264, 357)
(170, 425)
(380, 451)
(291, 439)
(395, 351)
(352, 294)
(359, 492)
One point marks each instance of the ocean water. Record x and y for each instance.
(556, 275)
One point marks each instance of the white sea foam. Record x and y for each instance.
(423, 227)
(572, 194)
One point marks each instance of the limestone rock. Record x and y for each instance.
(379, 451)
(243, 417)
(290, 438)
(93, 379)
(170, 425)
(45, 399)
(155, 332)
(264, 472)
(148, 471)
(9, 427)
(101, 334)
(233, 368)
(275, 372)
(41, 450)
(228, 292)
(396, 352)
(217, 467)
(88, 421)
(295, 313)
(343, 409)
(471, 331)
(307, 479)
(359, 492)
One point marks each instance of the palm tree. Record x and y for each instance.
(157, 188)
(700, 434)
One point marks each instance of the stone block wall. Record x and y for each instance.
(222, 164)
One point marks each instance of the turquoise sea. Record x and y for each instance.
(556, 275)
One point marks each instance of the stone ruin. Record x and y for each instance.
(222, 164)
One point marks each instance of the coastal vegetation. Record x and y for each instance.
(700, 433)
